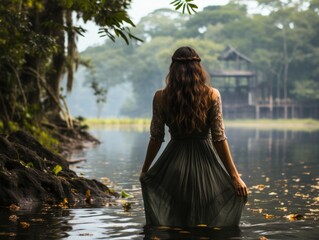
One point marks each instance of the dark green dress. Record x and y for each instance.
(188, 185)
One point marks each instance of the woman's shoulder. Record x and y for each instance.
(159, 97)
(159, 94)
(214, 93)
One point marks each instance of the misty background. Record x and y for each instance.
(279, 46)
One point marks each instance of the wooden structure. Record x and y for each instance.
(242, 95)
(236, 82)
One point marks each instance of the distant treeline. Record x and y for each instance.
(283, 44)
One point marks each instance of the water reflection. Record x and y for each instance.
(280, 167)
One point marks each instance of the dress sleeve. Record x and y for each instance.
(157, 128)
(217, 123)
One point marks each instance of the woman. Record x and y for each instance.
(194, 181)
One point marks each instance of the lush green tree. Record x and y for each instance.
(38, 46)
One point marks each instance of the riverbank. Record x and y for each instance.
(276, 124)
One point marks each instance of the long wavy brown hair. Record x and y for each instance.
(187, 91)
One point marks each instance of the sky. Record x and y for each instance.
(139, 9)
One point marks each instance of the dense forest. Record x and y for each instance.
(281, 38)
(38, 49)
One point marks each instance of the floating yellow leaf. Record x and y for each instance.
(14, 207)
(216, 228)
(25, 225)
(13, 218)
(293, 217)
(268, 216)
(261, 187)
(202, 225)
(284, 209)
(258, 210)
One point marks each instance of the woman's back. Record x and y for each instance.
(162, 114)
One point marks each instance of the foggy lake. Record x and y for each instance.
(279, 167)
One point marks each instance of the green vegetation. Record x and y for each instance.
(38, 48)
(278, 124)
(284, 124)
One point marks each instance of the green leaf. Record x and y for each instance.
(57, 169)
(179, 6)
(125, 195)
(29, 164)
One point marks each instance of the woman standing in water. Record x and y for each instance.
(194, 181)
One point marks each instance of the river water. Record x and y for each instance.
(280, 168)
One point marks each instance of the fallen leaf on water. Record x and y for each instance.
(13, 218)
(268, 216)
(294, 217)
(216, 228)
(25, 225)
(263, 238)
(261, 187)
(127, 206)
(201, 225)
(259, 210)
(284, 209)
(125, 195)
(14, 207)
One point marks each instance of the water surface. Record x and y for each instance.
(280, 168)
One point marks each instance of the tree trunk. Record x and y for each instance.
(58, 60)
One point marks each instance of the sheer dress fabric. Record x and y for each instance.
(188, 185)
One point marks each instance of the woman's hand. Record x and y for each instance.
(240, 187)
